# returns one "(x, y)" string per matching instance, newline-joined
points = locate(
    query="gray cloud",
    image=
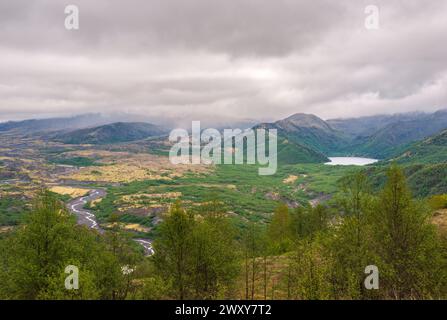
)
(212, 58)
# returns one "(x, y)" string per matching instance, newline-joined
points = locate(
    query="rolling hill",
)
(430, 150)
(423, 179)
(290, 152)
(111, 133)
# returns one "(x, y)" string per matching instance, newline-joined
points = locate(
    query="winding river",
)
(85, 217)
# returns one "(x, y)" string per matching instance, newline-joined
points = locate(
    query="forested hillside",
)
(311, 131)
(428, 151)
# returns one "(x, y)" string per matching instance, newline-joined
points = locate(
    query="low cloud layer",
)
(242, 59)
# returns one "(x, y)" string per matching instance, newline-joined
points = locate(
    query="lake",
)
(350, 161)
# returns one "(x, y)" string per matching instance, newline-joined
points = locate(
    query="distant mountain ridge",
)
(309, 130)
(97, 119)
(301, 136)
(389, 140)
(111, 133)
(368, 125)
(53, 124)
(380, 137)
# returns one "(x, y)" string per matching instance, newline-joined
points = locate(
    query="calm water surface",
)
(350, 161)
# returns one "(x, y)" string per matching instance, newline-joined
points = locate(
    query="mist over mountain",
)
(69, 123)
(96, 119)
(365, 126)
(305, 137)
(53, 124)
(400, 130)
(111, 133)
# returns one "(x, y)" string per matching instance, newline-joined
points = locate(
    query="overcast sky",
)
(255, 59)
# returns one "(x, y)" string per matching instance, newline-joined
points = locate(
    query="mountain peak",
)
(305, 120)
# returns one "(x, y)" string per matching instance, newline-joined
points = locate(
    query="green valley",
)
(260, 235)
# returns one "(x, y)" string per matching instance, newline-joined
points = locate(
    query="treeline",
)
(330, 247)
(313, 252)
(303, 253)
(196, 257)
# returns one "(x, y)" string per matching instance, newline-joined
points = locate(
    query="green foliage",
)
(254, 244)
(35, 257)
(349, 245)
(196, 254)
(423, 180)
(390, 230)
(306, 252)
(306, 222)
(239, 187)
(290, 152)
(11, 211)
(438, 201)
(75, 161)
(279, 229)
(353, 196)
(308, 272)
(406, 241)
(429, 180)
(432, 150)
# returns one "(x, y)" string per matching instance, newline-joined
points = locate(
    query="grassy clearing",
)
(440, 220)
(120, 167)
(127, 226)
(246, 195)
(75, 161)
(70, 191)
